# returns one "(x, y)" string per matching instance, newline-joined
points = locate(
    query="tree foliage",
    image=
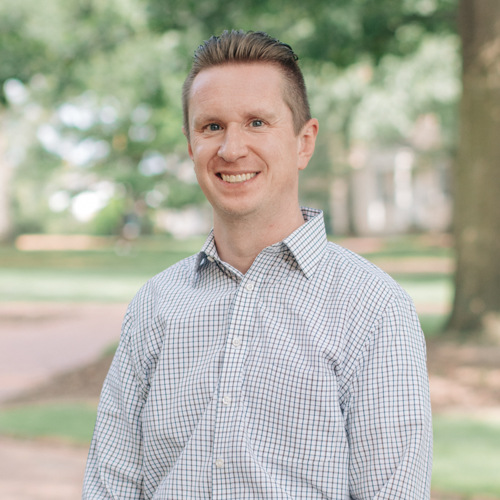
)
(120, 66)
(103, 91)
(339, 32)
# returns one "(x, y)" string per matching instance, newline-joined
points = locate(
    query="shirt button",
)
(237, 341)
(249, 286)
(219, 463)
(210, 258)
(226, 400)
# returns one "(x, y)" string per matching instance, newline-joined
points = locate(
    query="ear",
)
(307, 142)
(190, 150)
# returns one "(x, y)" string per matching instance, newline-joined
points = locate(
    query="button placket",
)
(226, 432)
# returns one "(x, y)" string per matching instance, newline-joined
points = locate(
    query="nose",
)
(233, 145)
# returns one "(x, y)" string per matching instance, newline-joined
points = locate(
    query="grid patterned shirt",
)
(304, 378)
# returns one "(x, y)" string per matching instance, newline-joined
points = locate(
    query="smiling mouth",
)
(233, 179)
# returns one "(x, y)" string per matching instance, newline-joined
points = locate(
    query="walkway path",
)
(40, 471)
(39, 340)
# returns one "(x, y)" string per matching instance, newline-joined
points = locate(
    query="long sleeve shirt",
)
(304, 378)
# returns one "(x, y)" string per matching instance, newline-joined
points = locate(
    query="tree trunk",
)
(6, 173)
(477, 197)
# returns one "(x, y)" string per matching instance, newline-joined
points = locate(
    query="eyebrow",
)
(262, 113)
(256, 113)
(204, 119)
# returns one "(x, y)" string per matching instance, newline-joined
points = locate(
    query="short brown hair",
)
(252, 46)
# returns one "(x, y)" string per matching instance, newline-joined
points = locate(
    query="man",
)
(273, 364)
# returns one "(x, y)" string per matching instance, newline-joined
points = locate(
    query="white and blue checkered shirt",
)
(304, 378)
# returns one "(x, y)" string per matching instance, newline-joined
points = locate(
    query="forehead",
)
(253, 80)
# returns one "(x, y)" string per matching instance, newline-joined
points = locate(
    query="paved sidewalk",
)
(40, 471)
(39, 340)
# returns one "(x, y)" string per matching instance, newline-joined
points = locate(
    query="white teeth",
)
(237, 178)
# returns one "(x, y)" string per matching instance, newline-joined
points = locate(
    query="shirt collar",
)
(209, 249)
(306, 244)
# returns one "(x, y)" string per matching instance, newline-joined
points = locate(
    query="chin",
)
(235, 212)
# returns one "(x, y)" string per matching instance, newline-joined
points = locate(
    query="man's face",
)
(242, 141)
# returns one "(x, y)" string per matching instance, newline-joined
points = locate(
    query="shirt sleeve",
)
(114, 465)
(388, 419)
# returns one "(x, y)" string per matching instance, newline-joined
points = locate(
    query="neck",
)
(239, 241)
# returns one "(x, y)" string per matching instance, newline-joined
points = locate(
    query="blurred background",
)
(97, 194)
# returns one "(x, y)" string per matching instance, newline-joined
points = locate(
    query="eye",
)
(213, 127)
(257, 123)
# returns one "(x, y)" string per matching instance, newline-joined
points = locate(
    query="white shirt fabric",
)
(304, 378)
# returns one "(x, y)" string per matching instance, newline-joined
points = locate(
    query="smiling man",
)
(273, 364)
(247, 156)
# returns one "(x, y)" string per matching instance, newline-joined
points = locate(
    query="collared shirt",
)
(304, 378)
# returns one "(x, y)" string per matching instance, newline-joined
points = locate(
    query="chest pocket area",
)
(291, 397)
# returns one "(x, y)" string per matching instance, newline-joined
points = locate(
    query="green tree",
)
(21, 57)
(340, 31)
(43, 47)
(106, 94)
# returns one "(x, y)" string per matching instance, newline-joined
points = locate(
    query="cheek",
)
(202, 153)
(202, 168)
(199, 172)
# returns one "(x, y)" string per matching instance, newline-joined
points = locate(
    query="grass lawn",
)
(67, 422)
(110, 276)
(432, 324)
(427, 289)
(86, 276)
(466, 456)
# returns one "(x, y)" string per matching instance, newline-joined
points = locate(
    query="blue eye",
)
(213, 127)
(257, 123)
